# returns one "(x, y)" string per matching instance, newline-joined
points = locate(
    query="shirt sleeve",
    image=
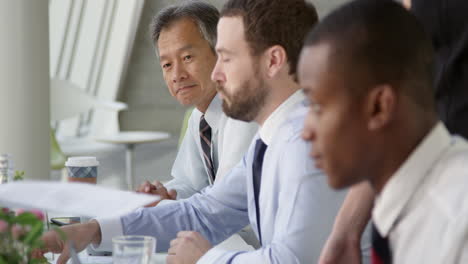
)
(217, 213)
(110, 227)
(188, 172)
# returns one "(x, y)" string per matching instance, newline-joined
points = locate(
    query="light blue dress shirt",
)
(297, 208)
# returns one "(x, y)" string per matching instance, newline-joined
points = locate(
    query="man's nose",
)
(217, 74)
(179, 73)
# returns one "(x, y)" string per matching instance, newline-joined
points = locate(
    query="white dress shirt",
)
(297, 208)
(230, 141)
(423, 208)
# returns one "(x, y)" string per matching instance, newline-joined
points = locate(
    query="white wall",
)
(24, 85)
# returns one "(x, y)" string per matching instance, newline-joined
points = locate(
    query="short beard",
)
(248, 102)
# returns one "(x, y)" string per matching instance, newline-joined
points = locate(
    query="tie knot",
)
(203, 124)
(260, 148)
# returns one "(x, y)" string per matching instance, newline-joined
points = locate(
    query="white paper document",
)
(73, 198)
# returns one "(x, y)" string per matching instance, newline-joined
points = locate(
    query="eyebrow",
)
(184, 48)
(224, 50)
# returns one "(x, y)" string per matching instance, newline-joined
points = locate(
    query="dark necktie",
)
(381, 253)
(205, 139)
(260, 148)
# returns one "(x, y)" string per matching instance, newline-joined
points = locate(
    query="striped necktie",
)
(381, 253)
(205, 140)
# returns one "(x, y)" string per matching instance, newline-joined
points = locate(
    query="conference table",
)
(234, 242)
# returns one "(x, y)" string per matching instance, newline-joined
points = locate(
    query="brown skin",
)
(349, 132)
(343, 244)
(372, 121)
(330, 114)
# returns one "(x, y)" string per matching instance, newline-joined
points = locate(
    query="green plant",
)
(19, 175)
(20, 234)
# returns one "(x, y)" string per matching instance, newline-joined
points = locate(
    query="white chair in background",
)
(69, 101)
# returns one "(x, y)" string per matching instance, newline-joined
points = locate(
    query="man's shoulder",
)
(450, 184)
(291, 129)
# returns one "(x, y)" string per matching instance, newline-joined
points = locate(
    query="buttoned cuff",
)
(110, 227)
(213, 255)
(166, 201)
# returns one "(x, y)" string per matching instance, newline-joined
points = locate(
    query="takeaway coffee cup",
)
(82, 169)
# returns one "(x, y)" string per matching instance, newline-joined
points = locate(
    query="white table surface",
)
(134, 137)
(158, 258)
(235, 242)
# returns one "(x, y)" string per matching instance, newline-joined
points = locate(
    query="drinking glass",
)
(133, 249)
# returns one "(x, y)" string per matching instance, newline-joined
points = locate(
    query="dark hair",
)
(203, 14)
(274, 22)
(447, 23)
(383, 40)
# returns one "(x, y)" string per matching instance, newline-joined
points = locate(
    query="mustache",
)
(219, 87)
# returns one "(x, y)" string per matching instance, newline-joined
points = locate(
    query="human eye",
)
(188, 58)
(166, 66)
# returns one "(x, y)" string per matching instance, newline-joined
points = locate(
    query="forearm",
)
(198, 213)
(93, 225)
(355, 211)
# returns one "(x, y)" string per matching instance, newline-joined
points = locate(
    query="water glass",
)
(133, 249)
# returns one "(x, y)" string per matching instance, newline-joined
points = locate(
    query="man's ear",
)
(380, 106)
(275, 60)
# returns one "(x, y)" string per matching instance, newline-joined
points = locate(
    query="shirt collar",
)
(399, 189)
(272, 123)
(214, 113)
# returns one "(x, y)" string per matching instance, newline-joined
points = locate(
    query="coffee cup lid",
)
(82, 162)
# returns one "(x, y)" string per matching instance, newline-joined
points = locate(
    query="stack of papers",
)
(72, 198)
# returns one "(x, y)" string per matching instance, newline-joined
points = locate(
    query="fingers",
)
(52, 242)
(172, 194)
(145, 187)
(173, 246)
(172, 251)
(158, 184)
(187, 234)
(173, 243)
(64, 257)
